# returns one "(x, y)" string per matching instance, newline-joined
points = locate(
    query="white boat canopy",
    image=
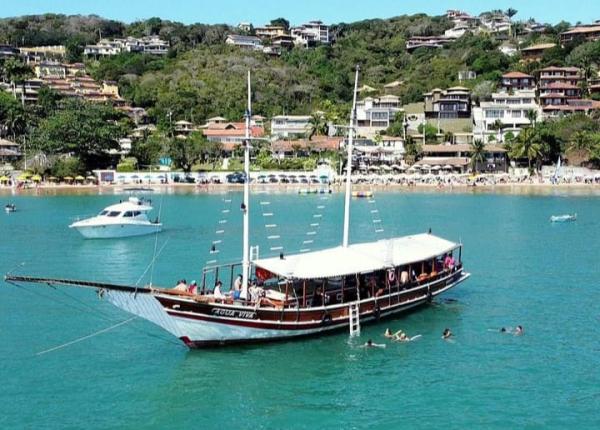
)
(358, 258)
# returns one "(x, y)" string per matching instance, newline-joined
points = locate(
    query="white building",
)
(510, 109)
(290, 125)
(310, 33)
(245, 42)
(376, 114)
(148, 44)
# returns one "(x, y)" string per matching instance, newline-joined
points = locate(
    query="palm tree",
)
(477, 154)
(527, 145)
(498, 126)
(582, 144)
(317, 126)
(16, 72)
(532, 116)
(510, 12)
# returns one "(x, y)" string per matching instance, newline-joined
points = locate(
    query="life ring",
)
(391, 276)
(326, 318)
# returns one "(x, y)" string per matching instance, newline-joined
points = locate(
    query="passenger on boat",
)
(447, 334)
(404, 277)
(519, 330)
(449, 262)
(181, 286)
(317, 298)
(217, 291)
(193, 288)
(237, 287)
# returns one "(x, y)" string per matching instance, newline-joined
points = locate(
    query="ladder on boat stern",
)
(354, 318)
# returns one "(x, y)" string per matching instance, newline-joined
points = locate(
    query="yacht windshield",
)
(103, 213)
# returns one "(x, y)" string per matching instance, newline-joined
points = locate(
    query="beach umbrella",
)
(79, 178)
(323, 177)
(36, 178)
(436, 167)
(4, 179)
(53, 178)
(135, 177)
(91, 177)
(121, 177)
(447, 167)
(425, 166)
(23, 177)
(68, 178)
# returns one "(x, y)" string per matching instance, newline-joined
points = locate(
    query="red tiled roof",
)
(559, 69)
(516, 75)
(254, 132)
(318, 144)
(560, 85)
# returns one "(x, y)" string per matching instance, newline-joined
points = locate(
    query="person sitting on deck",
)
(317, 298)
(217, 291)
(181, 286)
(449, 262)
(404, 277)
(193, 288)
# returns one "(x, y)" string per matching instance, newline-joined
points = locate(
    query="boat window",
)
(128, 214)
(103, 213)
(137, 213)
(114, 213)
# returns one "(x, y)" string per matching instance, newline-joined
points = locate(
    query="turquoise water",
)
(524, 271)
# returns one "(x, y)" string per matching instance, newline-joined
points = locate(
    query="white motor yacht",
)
(129, 218)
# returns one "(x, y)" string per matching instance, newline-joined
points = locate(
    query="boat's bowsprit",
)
(76, 283)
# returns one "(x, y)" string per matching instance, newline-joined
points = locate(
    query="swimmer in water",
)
(388, 333)
(447, 334)
(403, 338)
(519, 330)
(503, 330)
(370, 344)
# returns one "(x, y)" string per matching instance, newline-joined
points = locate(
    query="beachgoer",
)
(519, 330)
(447, 334)
(403, 338)
(193, 288)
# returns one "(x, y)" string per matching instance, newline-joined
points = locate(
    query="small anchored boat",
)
(10, 208)
(563, 218)
(362, 194)
(125, 219)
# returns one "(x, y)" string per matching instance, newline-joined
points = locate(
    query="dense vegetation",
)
(203, 77)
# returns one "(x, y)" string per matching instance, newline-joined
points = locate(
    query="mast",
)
(246, 204)
(349, 163)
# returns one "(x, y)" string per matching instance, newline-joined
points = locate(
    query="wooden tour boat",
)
(294, 295)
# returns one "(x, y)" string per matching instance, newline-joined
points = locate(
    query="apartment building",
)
(290, 125)
(310, 33)
(376, 114)
(452, 103)
(509, 109)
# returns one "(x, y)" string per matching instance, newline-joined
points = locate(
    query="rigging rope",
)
(220, 230)
(156, 255)
(156, 239)
(64, 345)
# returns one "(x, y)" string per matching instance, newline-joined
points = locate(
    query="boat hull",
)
(201, 325)
(113, 231)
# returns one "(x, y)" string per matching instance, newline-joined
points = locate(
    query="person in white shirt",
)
(217, 292)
